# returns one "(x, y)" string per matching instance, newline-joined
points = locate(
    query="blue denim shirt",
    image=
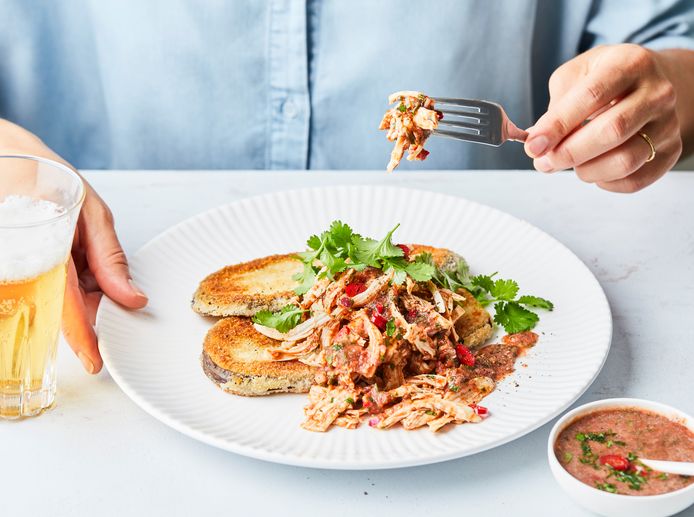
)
(290, 84)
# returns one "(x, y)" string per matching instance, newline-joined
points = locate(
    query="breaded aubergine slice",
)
(246, 288)
(235, 357)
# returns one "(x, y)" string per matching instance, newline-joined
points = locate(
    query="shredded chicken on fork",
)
(409, 123)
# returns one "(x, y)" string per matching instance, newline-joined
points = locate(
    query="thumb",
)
(77, 328)
(109, 264)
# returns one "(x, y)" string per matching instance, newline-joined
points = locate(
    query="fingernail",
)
(538, 145)
(88, 365)
(544, 164)
(137, 290)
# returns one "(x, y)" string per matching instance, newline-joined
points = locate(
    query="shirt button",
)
(289, 109)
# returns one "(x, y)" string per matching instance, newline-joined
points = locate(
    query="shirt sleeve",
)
(656, 24)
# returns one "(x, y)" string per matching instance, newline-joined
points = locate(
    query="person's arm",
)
(624, 90)
(98, 264)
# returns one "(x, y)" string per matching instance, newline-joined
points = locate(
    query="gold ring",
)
(650, 144)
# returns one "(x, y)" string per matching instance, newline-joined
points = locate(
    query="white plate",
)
(153, 354)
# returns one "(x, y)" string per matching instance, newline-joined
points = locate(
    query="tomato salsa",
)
(602, 449)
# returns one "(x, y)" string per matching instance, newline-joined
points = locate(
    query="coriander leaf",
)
(390, 327)
(332, 263)
(402, 108)
(365, 251)
(425, 258)
(483, 281)
(399, 276)
(536, 301)
(606, 487)
(307, 256)
(504, 290)
(314, 242)
(369, 251)
(340, 234)
(419, 271)
(462, 270)
(283, 320)
(514, 317)
(306, 279)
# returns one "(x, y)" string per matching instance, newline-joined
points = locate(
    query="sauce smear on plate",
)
(602, 449)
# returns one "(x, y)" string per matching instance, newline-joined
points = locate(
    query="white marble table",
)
(97, 453)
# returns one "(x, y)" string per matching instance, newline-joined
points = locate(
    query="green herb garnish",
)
(511, 311)
(633, 479)
(339, 248)
(283, 320)
(606, 487)
(595, 437)
(349, 400)
(588, 457)
(390, 327)
(568, 457)
(430, 412)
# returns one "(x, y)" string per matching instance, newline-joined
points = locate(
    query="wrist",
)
(15, 139)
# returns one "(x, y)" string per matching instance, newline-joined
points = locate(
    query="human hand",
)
(622, 90)
(97, 265)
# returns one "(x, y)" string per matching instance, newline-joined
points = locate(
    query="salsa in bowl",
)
(594, 454)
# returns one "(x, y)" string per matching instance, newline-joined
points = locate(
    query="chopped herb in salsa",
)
(633, 479)
(607, 487)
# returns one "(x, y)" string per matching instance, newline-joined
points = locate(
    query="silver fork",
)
(477, 121)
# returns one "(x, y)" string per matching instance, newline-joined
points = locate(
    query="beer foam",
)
(28, 251)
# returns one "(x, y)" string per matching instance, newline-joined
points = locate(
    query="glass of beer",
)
(40, 201)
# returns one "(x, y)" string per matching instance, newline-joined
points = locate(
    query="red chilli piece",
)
(379, 321)
(346, 302)
(615, 461)
(411, 315)
(464, 355)
(406, 249)
(480, 410)
(354, 289)
(439, 114)
(380, 308)
(423, 154)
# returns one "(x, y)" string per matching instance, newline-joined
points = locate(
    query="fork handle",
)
(513, 132)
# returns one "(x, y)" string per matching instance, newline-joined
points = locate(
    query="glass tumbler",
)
(40, 201)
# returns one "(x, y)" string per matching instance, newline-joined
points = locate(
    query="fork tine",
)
(479, 126)
(473, 113)
(467, 137)
(473, 104)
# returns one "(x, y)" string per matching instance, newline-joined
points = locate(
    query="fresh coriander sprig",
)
(283, 320)
(510, 311)
(339, 248)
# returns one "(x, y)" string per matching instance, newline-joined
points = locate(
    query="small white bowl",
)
(617, 505)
